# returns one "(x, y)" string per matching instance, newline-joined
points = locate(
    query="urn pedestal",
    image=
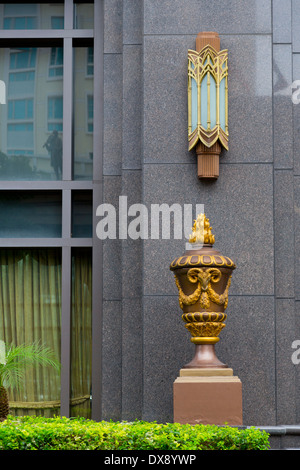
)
(208, 399)
(203, 277)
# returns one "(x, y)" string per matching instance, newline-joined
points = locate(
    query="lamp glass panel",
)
(194, 104)
(222, 104)
(203, 104)
(213, 102)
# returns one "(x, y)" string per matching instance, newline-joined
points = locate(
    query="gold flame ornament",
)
(202, 231)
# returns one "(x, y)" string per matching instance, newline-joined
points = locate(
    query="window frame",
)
(70, 38)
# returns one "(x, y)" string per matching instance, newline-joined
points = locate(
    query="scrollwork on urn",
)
(204, 292)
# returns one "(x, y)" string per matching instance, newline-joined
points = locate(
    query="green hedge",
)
(37, 433)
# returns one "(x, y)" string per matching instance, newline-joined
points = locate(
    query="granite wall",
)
(254, 206)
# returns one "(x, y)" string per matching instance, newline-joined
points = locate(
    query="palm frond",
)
(18, 358)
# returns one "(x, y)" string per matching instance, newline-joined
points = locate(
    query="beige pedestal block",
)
(208, 396)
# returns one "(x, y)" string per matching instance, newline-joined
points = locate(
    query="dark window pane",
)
(30, 214)
(82, 214)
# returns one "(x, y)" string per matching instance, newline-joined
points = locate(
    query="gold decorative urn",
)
(203, 277)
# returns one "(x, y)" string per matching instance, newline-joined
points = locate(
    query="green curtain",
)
(30, 303)
(81, 337)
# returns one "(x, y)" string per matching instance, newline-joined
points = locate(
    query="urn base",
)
(205, 356)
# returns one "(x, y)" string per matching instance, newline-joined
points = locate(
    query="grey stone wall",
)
(254, 206)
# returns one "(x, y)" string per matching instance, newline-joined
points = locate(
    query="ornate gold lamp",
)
(203, 277)
(208, 102)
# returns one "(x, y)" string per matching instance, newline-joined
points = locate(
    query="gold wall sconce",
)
(208, 102)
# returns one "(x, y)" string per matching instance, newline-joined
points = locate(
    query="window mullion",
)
(67, 109)
(98, 90)
(97, 315)
(66, 213)
(69, 14)
(65, 331)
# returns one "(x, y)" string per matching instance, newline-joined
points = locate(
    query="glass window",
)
(90, 61)
(22, 58)
(55, 114)
(26, 22)
(56, 62)
(90, 113)
(84, 16)
(32, 16)
(31, 121)
(18, 135)
(83, 113)
(81, 332)
(20, 109)
(82, 214)
(30, 311)
(20, 16)
(42, 131)
(57, 22)
(30, 214)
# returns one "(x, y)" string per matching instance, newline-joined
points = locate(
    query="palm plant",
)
(13, 362)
